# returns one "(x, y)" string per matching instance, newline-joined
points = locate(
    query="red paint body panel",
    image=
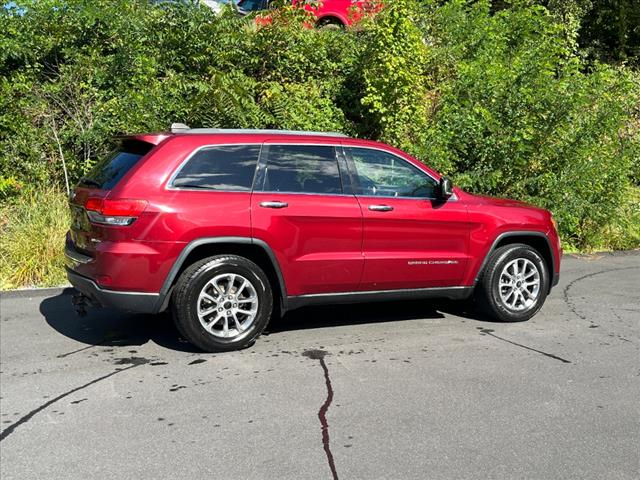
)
(322, 243)
(418, 244)
(317, 240)
(339, 12)
(347, 12)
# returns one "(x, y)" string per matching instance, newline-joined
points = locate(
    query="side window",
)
(382, 174)
(226, 168)
(252, 5)
(301, 169)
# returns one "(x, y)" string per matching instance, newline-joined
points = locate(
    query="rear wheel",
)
(330, 24)
(222, 303)
(514, 283)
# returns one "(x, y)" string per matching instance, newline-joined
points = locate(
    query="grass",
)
(32, 233)
(624, 234)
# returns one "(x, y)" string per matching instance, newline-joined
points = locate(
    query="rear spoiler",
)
(152, 138)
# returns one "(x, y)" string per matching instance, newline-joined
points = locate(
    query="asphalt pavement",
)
(403, 390)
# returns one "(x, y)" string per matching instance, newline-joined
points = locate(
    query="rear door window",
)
(107, 173)
(301, 169)
(225, 168)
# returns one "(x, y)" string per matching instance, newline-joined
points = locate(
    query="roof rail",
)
(182, 128)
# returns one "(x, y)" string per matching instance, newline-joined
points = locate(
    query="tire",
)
(513, 300)
(217, 291)
(330, 24)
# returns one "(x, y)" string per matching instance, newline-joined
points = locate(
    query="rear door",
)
(410, 240)
(301, 210)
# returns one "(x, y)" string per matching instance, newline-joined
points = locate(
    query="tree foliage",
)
(502, 99)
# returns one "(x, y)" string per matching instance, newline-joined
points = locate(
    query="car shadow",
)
(109, 327)
(375, 312)
(113, 328)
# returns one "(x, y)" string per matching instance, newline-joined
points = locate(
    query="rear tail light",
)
(114, 212)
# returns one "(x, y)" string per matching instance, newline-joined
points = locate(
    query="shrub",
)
(519, 116)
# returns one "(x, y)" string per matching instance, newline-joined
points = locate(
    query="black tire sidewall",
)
(186, 304)
(492, 282)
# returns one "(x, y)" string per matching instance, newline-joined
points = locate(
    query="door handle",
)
(274, 204)
(381, 208)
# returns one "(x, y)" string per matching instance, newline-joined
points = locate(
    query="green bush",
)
(518, 116)
(499, 98)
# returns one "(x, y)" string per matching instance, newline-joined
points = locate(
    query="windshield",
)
(252, 5)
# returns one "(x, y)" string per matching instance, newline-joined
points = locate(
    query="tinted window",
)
(220, 168)
(301, 168)
(252, 5)
(108, 172)
(385, 175)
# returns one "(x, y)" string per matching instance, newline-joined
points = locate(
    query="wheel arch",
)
(255, 250)
(330, 19)
(536, 240)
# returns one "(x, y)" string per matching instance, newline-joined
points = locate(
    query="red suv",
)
(327, 13)
(227, 226)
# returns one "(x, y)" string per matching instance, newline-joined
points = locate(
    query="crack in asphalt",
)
(488, 331)
(322, 413)
(565, 292)
(24, 419)
(63, 355)
(111, 336)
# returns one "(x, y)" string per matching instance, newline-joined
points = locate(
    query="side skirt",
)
(454, 293)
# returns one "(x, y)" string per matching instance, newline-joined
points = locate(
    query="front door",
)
(411, 240)
(314, 227)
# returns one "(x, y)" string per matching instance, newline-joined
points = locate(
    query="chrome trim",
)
(182, 129)
(76, 256)
(304, 193)
(453, 198)
(119, 292)
(457, 292)
(380, 208)
(379, 292)
(274, 204)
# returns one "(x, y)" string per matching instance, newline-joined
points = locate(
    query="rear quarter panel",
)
(175, 217)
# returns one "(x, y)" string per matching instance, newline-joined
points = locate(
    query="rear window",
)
(108, 172)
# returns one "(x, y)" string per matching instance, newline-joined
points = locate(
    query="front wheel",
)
(222, 303)
(514, 283)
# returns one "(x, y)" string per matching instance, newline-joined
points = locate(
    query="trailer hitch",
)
(80, 303)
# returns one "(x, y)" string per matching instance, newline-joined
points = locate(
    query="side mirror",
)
(445, 188)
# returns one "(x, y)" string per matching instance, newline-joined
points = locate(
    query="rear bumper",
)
(139, 302)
